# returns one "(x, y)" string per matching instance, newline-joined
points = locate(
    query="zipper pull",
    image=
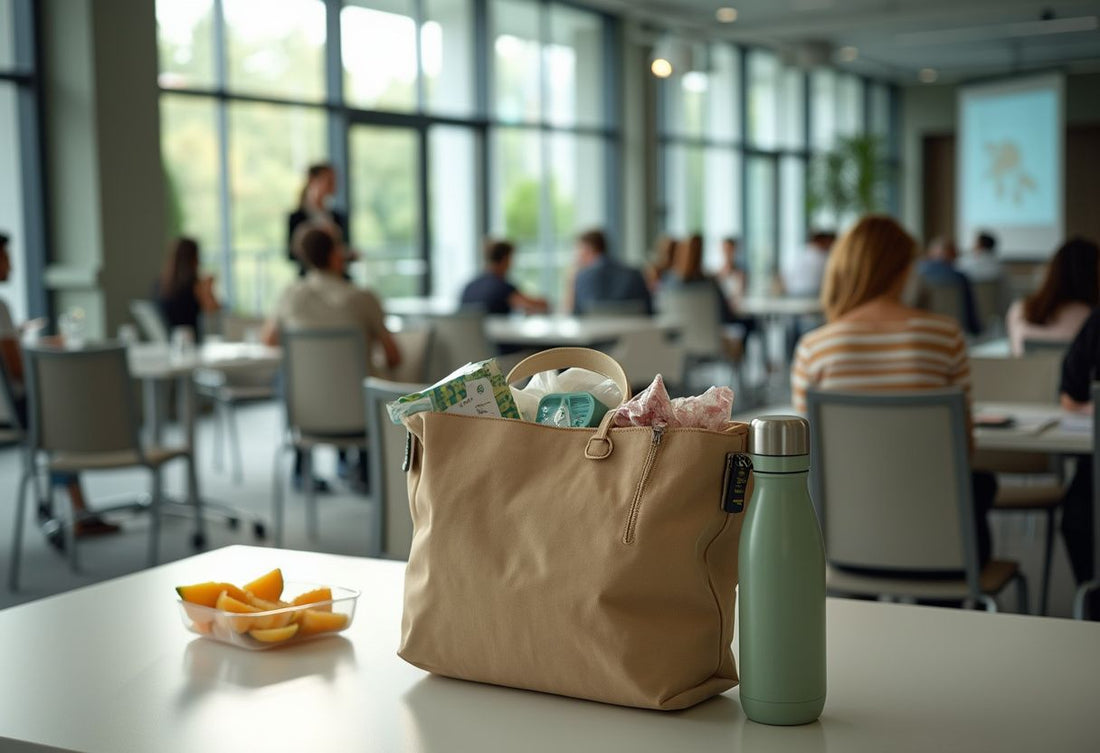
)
(658, 433)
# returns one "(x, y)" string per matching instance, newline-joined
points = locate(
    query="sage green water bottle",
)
(781, 583)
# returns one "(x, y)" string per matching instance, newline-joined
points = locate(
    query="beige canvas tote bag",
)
(594, 563)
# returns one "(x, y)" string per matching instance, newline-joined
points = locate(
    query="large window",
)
(436, 141)
(549, 177)
(21, 198)
(789, 116)
(700, 164)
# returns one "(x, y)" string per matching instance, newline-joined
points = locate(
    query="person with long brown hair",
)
(873, 342)
(1068, 294)
(663, 256)
(183, 293)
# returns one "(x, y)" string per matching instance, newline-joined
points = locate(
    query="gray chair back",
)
(989, 300)
(633, 307)
(695, 309)
(415, 346)
(81, 401)
(457, 339)
(1056, 348)
(1028, 379)
(891, 480)
(645, 352)
(323, 373)
(388, 486)
(945, 299)
(149, 321)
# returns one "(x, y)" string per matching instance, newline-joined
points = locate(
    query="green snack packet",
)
(476, 389)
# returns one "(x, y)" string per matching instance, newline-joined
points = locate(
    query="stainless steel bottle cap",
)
(779, 435)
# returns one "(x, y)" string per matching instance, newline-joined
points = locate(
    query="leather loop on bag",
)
(565, 358)
(600, 446)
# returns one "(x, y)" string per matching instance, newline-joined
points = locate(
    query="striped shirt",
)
(925, 351)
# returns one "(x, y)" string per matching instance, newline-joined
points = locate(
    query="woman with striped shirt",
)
(875, 343)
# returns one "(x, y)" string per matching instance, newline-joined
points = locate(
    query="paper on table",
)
(1078, 423)
(1021, 424)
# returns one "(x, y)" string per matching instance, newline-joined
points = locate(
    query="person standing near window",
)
(313, 209)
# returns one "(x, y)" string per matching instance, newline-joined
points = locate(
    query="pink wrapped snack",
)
(653, 407)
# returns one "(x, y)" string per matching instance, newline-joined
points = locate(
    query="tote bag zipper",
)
(639, 492)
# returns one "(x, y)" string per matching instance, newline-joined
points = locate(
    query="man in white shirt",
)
(981, 264)
(803, 276)
(324, 298)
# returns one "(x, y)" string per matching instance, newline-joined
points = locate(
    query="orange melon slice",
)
(227, 603)
(315, 596)
(312, 622)
(274, 635)
(206, 594)
(202, 626)
(268, 587)
(271, 621)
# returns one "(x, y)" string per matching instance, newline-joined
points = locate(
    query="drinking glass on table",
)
(183, 343)
(73, 328)
(127, 334)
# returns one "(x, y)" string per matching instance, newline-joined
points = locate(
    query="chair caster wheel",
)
(198, 541)
(259, 530)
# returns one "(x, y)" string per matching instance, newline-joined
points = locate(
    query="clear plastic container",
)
(258, 631)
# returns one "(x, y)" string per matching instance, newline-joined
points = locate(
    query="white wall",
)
(929, 110)
(103, 156)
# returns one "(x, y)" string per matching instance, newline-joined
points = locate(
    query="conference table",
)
(156, 365)
(551, 331)
(110, 669)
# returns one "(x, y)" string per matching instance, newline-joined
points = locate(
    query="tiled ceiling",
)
(896, 38)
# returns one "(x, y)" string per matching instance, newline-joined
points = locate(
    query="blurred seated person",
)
(602, 279)
(731, 276)
(1068, 294)
(803, 275)
(656, 272)
(687, 272)
(492, 291)
(1079, 371)
(184, 295)
(938, 270)
(324, 298)
(872, 342)
(981, 264)
(12, 355)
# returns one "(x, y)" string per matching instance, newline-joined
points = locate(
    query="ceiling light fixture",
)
(928, 75)
(661, 68)
(848, 54)
(726, 15)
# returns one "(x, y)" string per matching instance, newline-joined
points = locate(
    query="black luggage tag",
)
(735, 482)
(406, 464)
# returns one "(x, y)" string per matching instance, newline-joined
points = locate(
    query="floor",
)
(345, 518)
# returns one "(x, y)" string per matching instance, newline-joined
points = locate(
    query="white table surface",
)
(110, 669)
(155, 360)
(762, 305)
(550, 330)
